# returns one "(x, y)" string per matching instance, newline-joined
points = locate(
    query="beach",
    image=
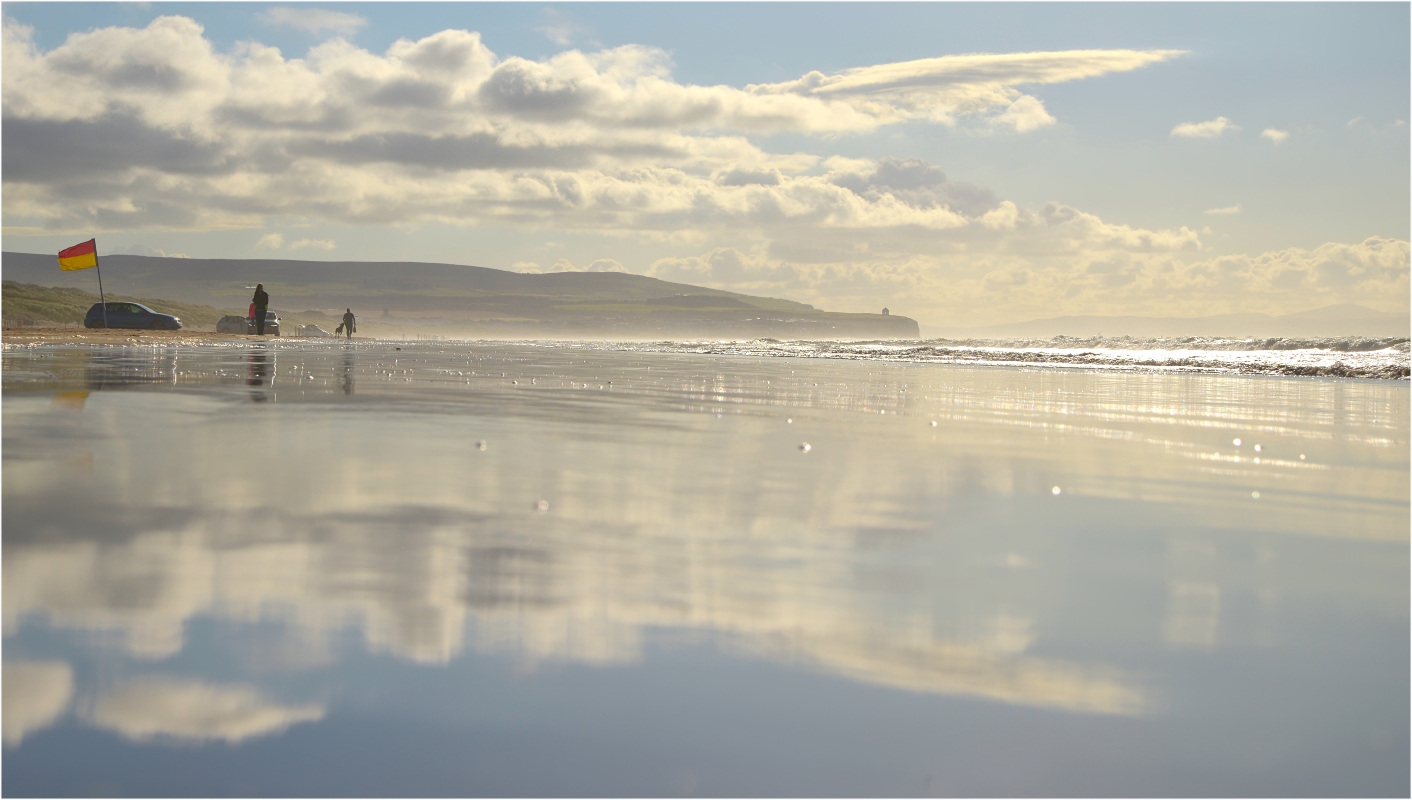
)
(514, 568)
(119, 336)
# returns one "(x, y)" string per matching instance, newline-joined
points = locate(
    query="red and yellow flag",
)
(80, 256)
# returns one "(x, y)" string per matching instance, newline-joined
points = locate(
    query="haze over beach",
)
(801, 399)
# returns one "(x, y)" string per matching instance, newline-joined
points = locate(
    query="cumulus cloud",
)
(1025, 114)
(144, 250)
(1211, 129)
(1066, 263)
(1275, 135)
(171, 708)
(1235, 209)
(315, 20)
(913, 181)
(313, 244)
(723, 266)
(153, 128)
(35, 694)
(565, 265)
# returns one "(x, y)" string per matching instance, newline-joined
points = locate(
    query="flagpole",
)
(101, 297)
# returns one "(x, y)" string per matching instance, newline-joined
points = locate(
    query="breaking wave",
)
(1343, 357)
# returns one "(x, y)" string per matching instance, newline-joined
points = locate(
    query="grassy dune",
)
(28, 304)
(48, 304)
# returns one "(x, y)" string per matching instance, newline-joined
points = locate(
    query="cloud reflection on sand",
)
(449, 590)
(885, 555)
(36, 694)
(159, 707)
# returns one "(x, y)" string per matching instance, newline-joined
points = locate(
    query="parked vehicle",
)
(234, 323)
(231, 323)
(315, 331)
(130, 315)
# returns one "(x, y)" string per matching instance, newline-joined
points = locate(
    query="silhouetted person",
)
(349, 322)
(262, 302)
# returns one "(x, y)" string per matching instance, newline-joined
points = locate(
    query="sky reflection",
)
(896, 554)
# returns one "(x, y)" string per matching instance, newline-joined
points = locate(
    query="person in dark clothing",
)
(262, 302)
(349, 322)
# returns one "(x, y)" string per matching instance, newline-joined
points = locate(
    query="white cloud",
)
(1210, 129)
(1025, 114)
(1087, 267)
(1353, 122)
(35, 694)
(144, 250)
(315, 20)
(315, 244)
(984, 69)
(558, 28)
(1275, 135)
(565, 265)
(1235, 209)
(614, 102)
(159, 707)
(154, 129)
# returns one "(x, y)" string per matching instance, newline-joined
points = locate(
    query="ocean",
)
(1342, 357)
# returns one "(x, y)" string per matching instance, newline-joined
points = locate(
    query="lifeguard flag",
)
(80, 256)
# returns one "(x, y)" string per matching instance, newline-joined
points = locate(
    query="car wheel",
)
(97, 323)
(158, 325)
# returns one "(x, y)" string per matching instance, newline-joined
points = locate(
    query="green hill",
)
(38, 304)
(28, 304)
(402, 298)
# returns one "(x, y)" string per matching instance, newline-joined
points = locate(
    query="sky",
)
(962, 164)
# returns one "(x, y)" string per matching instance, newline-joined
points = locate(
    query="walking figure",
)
(349, 322)
(261, 301)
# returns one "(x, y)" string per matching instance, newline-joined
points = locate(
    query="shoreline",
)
(27, 336)
(1354, 365)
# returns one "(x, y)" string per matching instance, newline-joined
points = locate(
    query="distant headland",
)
(403, 298)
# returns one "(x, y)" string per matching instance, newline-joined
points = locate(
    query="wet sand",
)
(497, 569)
(91, 336)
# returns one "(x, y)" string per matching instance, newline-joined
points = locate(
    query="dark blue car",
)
(130, 315)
